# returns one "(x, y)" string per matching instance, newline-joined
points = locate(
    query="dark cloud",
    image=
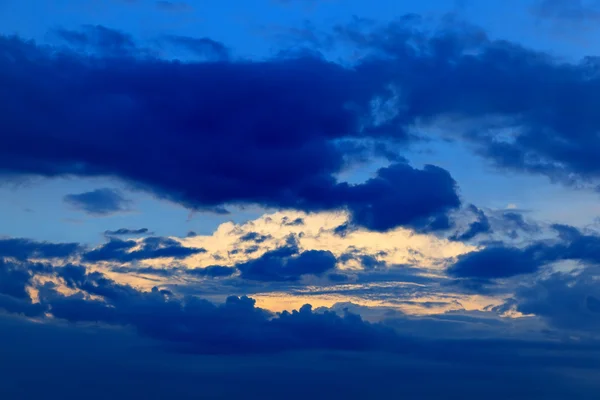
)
(150, 248)
(214, 271)
(23, 249)
(205, 48)
(367, 261)
(158, 271)
(251, 249)
(453, 71)
(567, 300)
(457, 76)
(127, 232)
(99, 202)
(513, 222)
(211, 271)
(200, 111)
(343, 230)
(236, 326)
(99, 39)
(400, 195)
(497, 262)
(462, 369)
(478, 227)
(338, 278)
(254, 237)
(500, 261)
(296, 222)
(15, 278)
(287, 263)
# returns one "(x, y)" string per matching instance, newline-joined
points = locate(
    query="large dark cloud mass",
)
(207, 134)
(299, 120)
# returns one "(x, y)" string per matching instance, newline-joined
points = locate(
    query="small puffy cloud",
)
(99, 202)
(127, 232)
(254, 237)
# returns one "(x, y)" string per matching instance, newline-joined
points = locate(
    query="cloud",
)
(500, 261)
(149, 248)
(15, 278)
(158, 271)
(201, 110)
(206, 48)
(287, 264)
(366, 261)
(127, 232)
(480, 226)
(99, 202)
(400, 195)
(236, 326)
(99, 39)
(479, 82)
(213, 271)
(432, 370)
(254, 237)
(567, 300)
(23, 249)
(495, 262)
(296, 222)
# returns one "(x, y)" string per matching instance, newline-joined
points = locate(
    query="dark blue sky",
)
(319, 198)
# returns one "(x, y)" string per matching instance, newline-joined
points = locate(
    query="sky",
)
(309, 198)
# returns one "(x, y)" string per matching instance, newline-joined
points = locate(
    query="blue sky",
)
(301, 182)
